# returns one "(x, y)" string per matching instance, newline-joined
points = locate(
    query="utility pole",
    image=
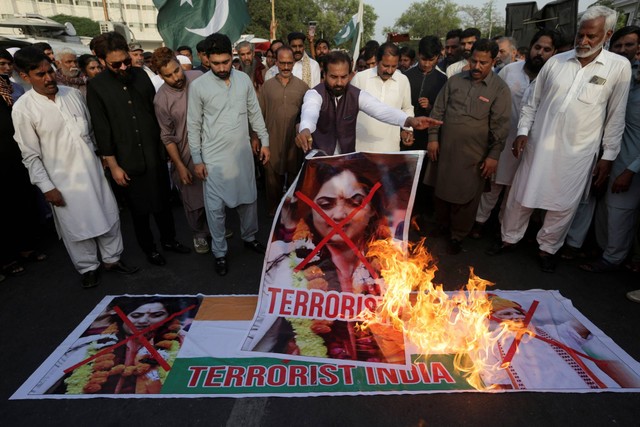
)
(105, 9)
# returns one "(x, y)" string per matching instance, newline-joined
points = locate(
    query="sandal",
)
(13, 269)
(600, 266)
(33, 256)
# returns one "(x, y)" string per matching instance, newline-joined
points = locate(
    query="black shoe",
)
(155, 258)
(455, 247)
(90, 279)
(176, 247)
(121, 267)
(500, 248)
(221, 266)
(255, 246)
(547, 263)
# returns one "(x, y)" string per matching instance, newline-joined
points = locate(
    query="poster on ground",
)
(199, 339)
(303, 336)
(317, 277)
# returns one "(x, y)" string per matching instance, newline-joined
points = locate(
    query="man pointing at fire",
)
(330, 110)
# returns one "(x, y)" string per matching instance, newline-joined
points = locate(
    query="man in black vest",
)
(330, 110)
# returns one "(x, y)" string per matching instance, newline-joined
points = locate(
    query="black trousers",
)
(142, 228)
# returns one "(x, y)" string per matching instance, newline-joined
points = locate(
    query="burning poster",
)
(317, 278)
(541, 343)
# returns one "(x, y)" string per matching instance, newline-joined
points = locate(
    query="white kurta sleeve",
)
(530, 107)
(615, 119)
(29, 143)
(194, 124)
(315, 74)
(310, 110)
(405, 92)
(381, 111)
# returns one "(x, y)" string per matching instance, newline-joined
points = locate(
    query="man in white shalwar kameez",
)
(221, 105)
(519, 76)
(53, 130)
(387, 84)
(577, 106)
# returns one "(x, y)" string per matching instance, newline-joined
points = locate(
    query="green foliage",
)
(622, 18)
(294, 15)
(431, 17)
(485, 18)
(336, 13)
(85, 27)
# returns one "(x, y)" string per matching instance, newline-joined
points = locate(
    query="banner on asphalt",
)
(190, 346)
(304, 335)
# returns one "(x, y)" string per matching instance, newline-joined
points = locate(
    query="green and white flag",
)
(186, 22)
(348, 32)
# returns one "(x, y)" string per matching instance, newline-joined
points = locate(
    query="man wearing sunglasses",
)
(120, 101)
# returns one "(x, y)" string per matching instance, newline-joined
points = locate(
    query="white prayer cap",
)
(183, 60)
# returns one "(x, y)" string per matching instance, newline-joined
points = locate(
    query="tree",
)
(432, 17)
(294, 15)
(85, 27)
(622, 18)
(485, 18)
(336, 14)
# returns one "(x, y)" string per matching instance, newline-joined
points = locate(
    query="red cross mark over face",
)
(138, 335)
(577, 356)
(337, 228)
(523, 330)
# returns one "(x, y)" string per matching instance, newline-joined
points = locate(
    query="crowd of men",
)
(544, 127)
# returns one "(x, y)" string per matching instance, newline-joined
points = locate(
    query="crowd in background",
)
(543, 131)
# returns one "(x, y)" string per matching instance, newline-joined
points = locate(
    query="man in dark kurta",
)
(20, 213)
(171, 110)
(426, 81)
(475, 108)
(280, 101)
(120, 101)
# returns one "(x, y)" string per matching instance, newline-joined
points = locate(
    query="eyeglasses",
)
(118, 64)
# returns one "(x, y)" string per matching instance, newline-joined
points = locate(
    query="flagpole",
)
(356, 45)
(272, 29)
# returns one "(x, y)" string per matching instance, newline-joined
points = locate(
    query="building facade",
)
(139, 16)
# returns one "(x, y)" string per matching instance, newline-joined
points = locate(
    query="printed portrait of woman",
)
(338, 206)
(127, 354)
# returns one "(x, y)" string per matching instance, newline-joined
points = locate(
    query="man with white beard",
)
(68, 72)
(578, 106)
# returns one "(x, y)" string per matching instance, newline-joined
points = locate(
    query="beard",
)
(248, 69)
(591, 51)
(222, 75)
(123, 76)
(71, 72)
(337, 91)
(534, 64)
(179, 84)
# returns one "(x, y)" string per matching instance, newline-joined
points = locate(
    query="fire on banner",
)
(346, 306)
(317, 278)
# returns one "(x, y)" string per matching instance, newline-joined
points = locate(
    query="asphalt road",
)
(40, 308)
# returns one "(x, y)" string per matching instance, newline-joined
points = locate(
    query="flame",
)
(434, 321)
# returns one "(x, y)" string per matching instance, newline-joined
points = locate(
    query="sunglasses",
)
(117, 64)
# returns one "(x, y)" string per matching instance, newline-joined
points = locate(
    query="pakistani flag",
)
(348, 32)
(186, 22)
